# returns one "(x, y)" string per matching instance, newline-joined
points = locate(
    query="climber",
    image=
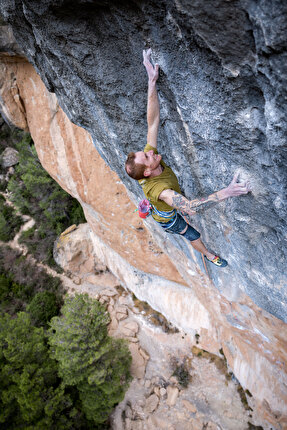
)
(170, 209)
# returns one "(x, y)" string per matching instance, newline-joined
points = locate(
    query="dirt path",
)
(14, 244)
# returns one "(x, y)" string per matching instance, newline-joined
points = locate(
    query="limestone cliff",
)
(223, 107)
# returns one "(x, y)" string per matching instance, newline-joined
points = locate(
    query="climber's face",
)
(149, 159)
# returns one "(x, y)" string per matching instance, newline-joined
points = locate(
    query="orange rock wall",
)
(66, 151)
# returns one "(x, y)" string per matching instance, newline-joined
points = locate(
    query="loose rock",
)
(121, 316)
(110, 309)
(156, 391)
(109, 293)
(147, 383)
(114, 324)
(138, 362)
(173, 380)
(189, 406)
(172, 394)
(212, 426)
(128, 412)
(132, 339)
(9, 157)
(132, 326)
(128, 424)
(144, 354)
(77, 280)
(151, 403)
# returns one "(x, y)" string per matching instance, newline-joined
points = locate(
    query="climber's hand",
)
(151, 71)
(237, 188)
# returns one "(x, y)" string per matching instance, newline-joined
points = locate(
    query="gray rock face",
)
(223, 98)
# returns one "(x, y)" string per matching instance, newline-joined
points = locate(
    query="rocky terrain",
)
(223, 107)
(176, 385)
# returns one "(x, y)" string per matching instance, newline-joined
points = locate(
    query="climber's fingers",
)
(146, 54)
(151, 71)
(235, 178)
(246, 186)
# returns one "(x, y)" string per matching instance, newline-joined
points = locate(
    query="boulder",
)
(109, 292)
(138, 363)
(132, 327)
(151, 404)
(73, 251)
(9, 157)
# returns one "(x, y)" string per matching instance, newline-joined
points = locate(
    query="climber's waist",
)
(165, 218)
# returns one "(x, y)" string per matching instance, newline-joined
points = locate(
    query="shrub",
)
(10, 223)
(20, 281)
(88, 358)
(42, 308)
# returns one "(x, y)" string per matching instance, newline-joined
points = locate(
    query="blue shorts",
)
(178, 226)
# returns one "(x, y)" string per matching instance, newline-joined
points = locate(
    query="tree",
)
(32, 396)
(42, 308)
(28, 375)
(88, 358)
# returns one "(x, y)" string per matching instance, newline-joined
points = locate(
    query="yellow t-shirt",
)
(152, 187)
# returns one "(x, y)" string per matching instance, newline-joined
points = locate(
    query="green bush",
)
(4, 288)
(42, 308)
(88, 358)
(10, 223)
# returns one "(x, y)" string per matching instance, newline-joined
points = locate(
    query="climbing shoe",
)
(220, 262)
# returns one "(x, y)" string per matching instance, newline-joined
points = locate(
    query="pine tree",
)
(88, 358)
(32, 396)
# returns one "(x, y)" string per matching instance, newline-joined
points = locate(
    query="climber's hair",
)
(133, 169)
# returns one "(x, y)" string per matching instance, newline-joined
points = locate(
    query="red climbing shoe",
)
(220, 262)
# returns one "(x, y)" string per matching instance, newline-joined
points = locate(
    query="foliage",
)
(36, 194)
(43, 307)
(88, 358)
(182, 375)
(9, 135)
(32, 396)
(20, 281)
(10, 223)
(28, 375)
(181, 370)
(91, 370)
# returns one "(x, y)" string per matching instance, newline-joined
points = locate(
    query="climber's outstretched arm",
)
(192, 207)
(152, 100)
